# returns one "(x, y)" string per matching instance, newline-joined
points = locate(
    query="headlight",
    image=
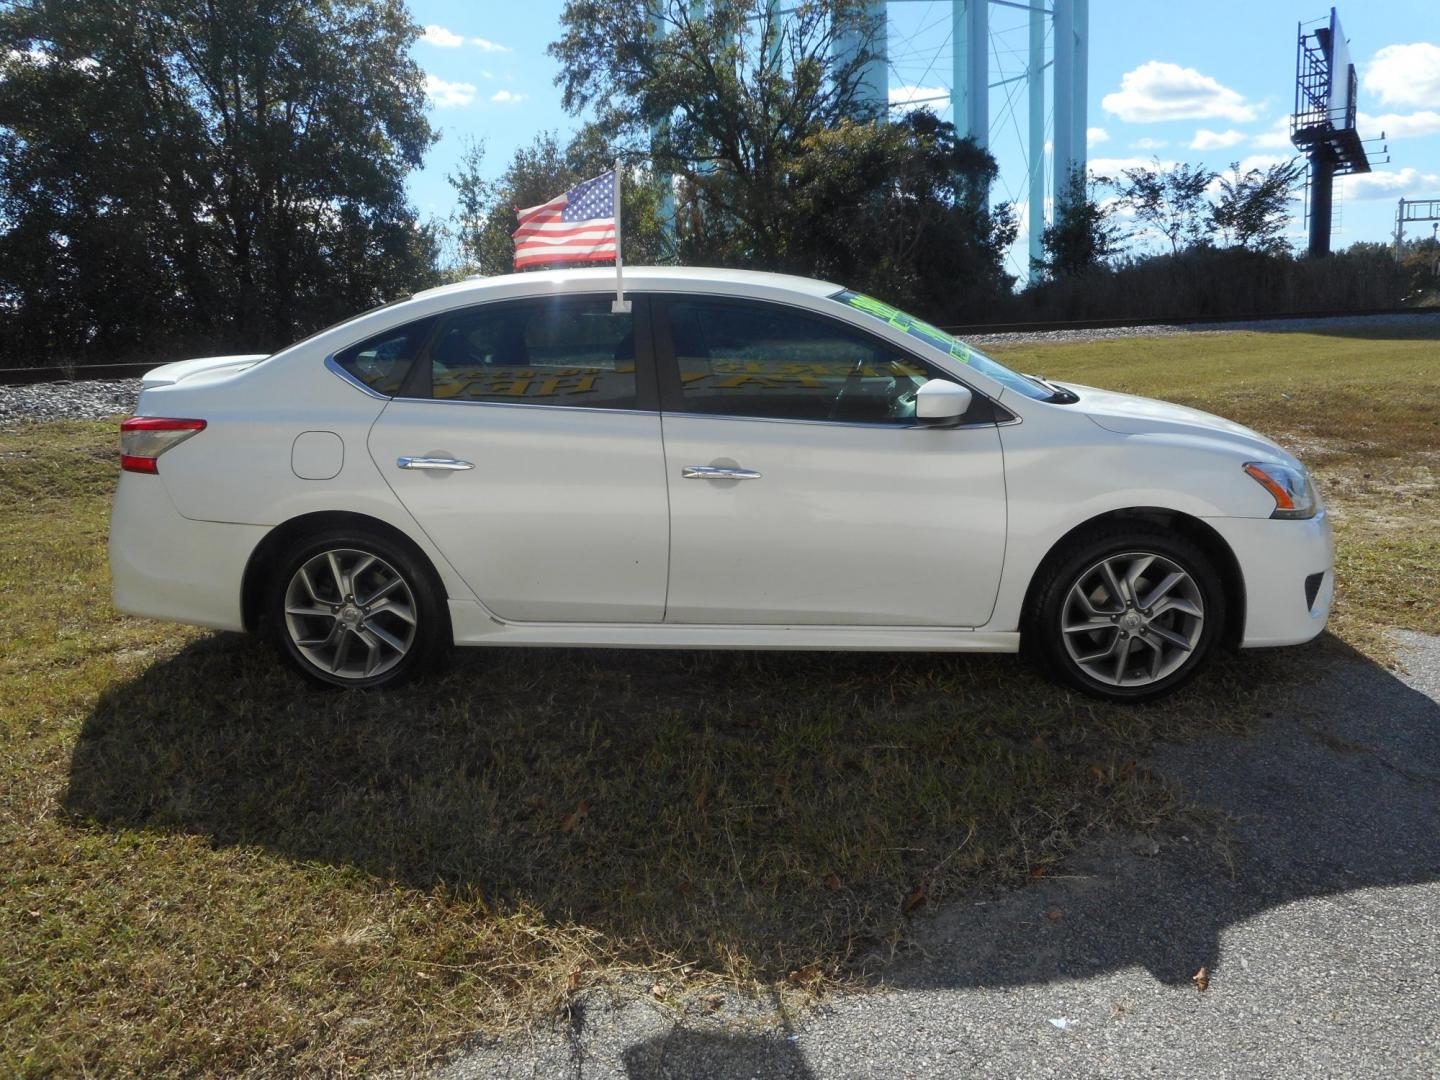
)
(1291, 488)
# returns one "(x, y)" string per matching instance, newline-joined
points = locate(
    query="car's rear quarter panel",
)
(238, 470)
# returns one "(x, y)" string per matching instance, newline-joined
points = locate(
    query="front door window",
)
(765, 360)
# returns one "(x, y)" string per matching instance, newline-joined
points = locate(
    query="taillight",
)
(144, 438)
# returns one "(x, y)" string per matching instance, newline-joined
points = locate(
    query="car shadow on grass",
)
(764, 812)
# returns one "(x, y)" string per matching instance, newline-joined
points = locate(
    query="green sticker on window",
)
(908, 324)
(951, 346)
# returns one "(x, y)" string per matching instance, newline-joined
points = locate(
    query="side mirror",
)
(941, 399)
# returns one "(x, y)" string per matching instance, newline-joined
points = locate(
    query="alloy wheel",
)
(1132, 619)
(350, 613)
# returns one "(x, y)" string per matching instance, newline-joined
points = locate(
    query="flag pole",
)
(620, 306)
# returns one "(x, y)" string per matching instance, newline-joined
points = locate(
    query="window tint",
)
(383, 361)
(740, 359)
(561, 352)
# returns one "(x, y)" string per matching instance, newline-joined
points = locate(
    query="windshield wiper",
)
(1059, 395)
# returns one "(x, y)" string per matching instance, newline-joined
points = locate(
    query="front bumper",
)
(165, 566)
(1275, 558)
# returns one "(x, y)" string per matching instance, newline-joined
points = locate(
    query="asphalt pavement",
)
(1314, 910)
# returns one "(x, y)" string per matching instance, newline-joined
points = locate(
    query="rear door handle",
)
(442, 464)
(717, 472)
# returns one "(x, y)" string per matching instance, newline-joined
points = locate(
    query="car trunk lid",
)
(169, 374)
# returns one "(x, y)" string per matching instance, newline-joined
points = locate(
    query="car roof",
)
(646, 278)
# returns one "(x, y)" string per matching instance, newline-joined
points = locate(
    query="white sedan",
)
(738, 461)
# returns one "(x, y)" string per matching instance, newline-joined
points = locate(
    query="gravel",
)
(1316, 921)
(1284, 326)
(97, 399)
(88, 400)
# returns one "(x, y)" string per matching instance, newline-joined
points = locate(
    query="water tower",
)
(1017, 75)
(995, 50)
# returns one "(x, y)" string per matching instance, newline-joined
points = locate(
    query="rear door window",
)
(569, 351)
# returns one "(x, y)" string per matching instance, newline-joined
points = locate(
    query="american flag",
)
(578, 226)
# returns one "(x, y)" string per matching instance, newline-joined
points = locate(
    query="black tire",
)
(293, 624)
(1056, 602)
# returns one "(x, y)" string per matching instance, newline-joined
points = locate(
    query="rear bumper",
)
(1275, 559)
(165, 566)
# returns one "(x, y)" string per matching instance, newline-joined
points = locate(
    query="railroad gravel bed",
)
(97, 399)
(1430, 322)
(89, 399)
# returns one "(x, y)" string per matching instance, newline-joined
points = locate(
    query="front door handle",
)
(718, 472)
(442, 464)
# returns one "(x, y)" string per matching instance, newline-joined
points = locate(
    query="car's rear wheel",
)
(1129, 613)
(356, 610)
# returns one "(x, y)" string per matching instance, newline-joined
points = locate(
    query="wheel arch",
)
(272, 548)
(1192, 528)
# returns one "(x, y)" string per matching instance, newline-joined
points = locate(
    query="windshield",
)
(939, 339)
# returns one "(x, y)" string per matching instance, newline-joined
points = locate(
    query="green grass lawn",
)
(207, 867)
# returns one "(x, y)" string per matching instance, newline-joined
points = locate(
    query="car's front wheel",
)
(1129, 613)
(356, 610)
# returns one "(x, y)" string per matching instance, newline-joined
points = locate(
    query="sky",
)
(1208, 84)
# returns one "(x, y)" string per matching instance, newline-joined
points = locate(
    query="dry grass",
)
(207, 868)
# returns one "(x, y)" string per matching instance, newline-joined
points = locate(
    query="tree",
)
(776, 159)
(537, 173)
(1252, 209)
(899, 209)
(209, 175)
(472, 206)
(1083, 235)
(721, 97)
(1173, 202)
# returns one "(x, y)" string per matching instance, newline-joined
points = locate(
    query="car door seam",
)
(400, 503)
(669, 517)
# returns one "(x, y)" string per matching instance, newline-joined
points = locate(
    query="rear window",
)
(383, 361)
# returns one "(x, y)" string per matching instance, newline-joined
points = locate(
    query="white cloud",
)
(33, 55)
(41, 57)
(1148, 143)
(1205, 139)
(1261, 162)
(1157, 90)
(1095, 136)
(448, 39)
(448, 95)
(1405, 74)
(1383, 184)
(1399, 125)
(505, 97)
(438, 35)
(1117, 206)
(905, 98)
(1115, 166)
(1277, 138)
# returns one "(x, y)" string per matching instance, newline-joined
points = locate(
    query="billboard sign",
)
(1340, 100)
